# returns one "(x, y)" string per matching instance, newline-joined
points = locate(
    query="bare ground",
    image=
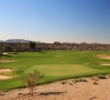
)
(67, 91)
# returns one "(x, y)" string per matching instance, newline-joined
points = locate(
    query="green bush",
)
(7, 48)
(1, 53)
(32, 45)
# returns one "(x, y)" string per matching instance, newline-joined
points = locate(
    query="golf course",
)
(54, 65)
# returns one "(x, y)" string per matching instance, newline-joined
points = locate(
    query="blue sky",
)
(55, 20)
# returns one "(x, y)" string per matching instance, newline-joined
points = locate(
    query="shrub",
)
(63, 82)
(101, 76)
(32, 45)
(82, 80)
(95, 83)
(7, 48)
(95, 78)
(79, 80)
(1, 53)
(31, 79)
(76, 80)
(70, 84)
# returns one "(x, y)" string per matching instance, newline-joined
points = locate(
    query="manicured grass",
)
(62, 69)
(56, 65)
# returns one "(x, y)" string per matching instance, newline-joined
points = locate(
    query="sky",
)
(55, 20)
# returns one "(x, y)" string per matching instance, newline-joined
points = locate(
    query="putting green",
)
(62, 69)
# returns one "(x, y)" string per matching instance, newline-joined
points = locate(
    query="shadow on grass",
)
(13, 53)
(7, 55)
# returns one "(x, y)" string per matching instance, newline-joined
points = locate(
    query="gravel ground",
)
(67, 91)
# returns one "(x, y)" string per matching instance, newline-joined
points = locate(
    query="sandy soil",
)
(3, 77)
(67, 91)
(104, 56)
(106, 64)
(1, 60)
(5, 70)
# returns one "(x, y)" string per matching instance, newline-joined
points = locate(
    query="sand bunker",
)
(105, 64)
(5, 70)
(5, 53)
(1, 60)
(3, 77)
(104, 56)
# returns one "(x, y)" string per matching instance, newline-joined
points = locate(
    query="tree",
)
(56, 42)
(7, 48)
(32, 45)
(31, 79)
(39, 49)
(1, 53)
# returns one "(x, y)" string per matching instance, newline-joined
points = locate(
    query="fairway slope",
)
(55, 65)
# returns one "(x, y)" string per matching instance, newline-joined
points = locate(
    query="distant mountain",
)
(15, 41)
(1, 41)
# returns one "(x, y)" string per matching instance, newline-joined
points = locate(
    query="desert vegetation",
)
(32, 45)
(7, 48)
(21, 47)
(1, 53)
(77, 88)
(31, 79)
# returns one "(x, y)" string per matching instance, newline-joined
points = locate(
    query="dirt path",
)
(67, 91)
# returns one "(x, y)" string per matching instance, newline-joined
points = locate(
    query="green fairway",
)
(55, 65)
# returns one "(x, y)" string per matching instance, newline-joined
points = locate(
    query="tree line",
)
(8, 48)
